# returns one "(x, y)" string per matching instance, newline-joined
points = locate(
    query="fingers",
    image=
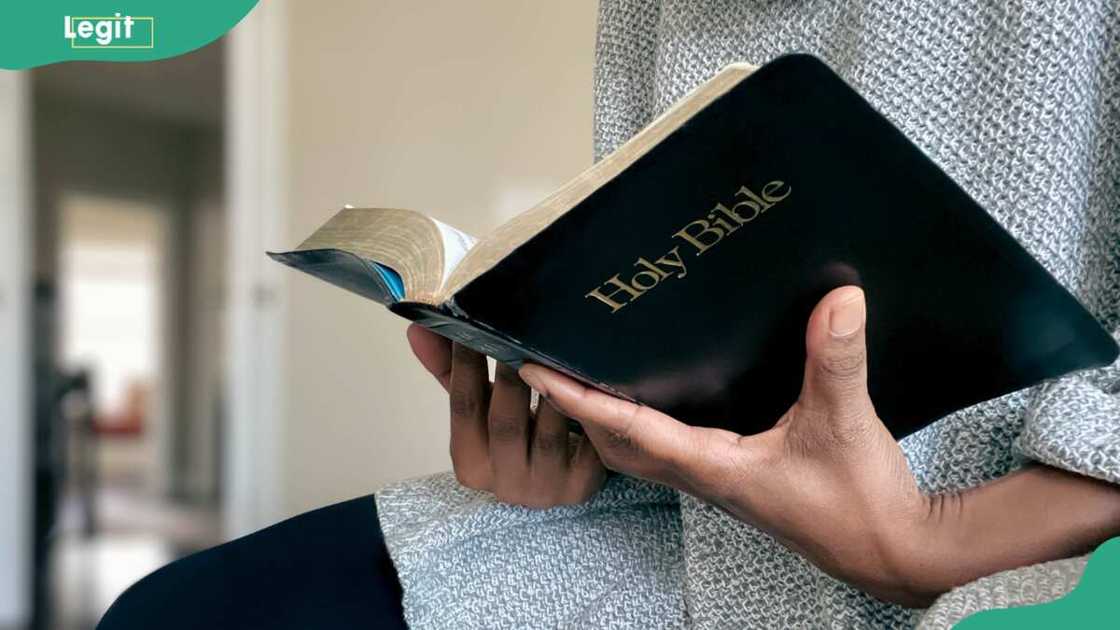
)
(638, 440)
(531, 459)
(549, 452)
(469, 394)
(585, 473)
(496, 445)
(433, 352)
(835, 383)
(564, 468)
(509, 429)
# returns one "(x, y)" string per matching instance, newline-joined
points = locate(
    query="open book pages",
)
(514, 233)
(423, 260)
(413, 254)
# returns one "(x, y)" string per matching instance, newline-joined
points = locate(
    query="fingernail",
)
(847, 316)
(529, 376)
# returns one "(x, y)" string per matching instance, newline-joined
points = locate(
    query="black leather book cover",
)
(686, 282)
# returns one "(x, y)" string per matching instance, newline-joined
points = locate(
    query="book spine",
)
(461, 329)
(453, 323)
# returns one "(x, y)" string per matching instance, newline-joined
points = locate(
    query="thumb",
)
(835, 383)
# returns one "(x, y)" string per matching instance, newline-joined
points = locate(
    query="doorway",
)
(130, 288)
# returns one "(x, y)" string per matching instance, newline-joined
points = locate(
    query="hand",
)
(828, 480)
(497, 443)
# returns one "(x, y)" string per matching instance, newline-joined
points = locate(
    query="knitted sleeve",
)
(1074, 424)
(1026, 586)
(626, 54)
(466, 561)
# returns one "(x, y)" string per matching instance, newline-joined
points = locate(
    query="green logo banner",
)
(49, 31)
(1093, 604)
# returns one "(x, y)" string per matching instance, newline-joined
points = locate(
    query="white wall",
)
(470, 111)
(15, 411)
(256, 198)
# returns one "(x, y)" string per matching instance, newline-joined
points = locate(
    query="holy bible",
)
(680, 270)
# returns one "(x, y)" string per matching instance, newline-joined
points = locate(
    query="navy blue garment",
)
(325, 569)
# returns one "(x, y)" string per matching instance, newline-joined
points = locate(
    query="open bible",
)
(679, 271)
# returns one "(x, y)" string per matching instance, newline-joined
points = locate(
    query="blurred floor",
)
(138, 532)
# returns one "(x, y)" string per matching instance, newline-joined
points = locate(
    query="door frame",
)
(15, 349)
(256, 202)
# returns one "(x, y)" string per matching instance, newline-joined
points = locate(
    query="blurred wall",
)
(470, 111)
(174, 165)
(15, 391)
(202, 242)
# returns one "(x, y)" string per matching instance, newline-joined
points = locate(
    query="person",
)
(823, 520)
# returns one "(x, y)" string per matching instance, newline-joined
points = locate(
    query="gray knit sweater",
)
(1019, 101)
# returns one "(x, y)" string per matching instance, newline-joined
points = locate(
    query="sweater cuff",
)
(1074, 424)
(1026, 586)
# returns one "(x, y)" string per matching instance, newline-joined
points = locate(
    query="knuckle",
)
(506, 427)
(621, 446)
(513, 495)
(850, 428)
(472, 477)
(465, 403)
(550, 443)
(846, 365)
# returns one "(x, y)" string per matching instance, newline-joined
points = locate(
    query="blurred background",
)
(165, 387)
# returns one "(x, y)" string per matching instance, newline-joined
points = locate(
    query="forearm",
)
(1032, 515)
